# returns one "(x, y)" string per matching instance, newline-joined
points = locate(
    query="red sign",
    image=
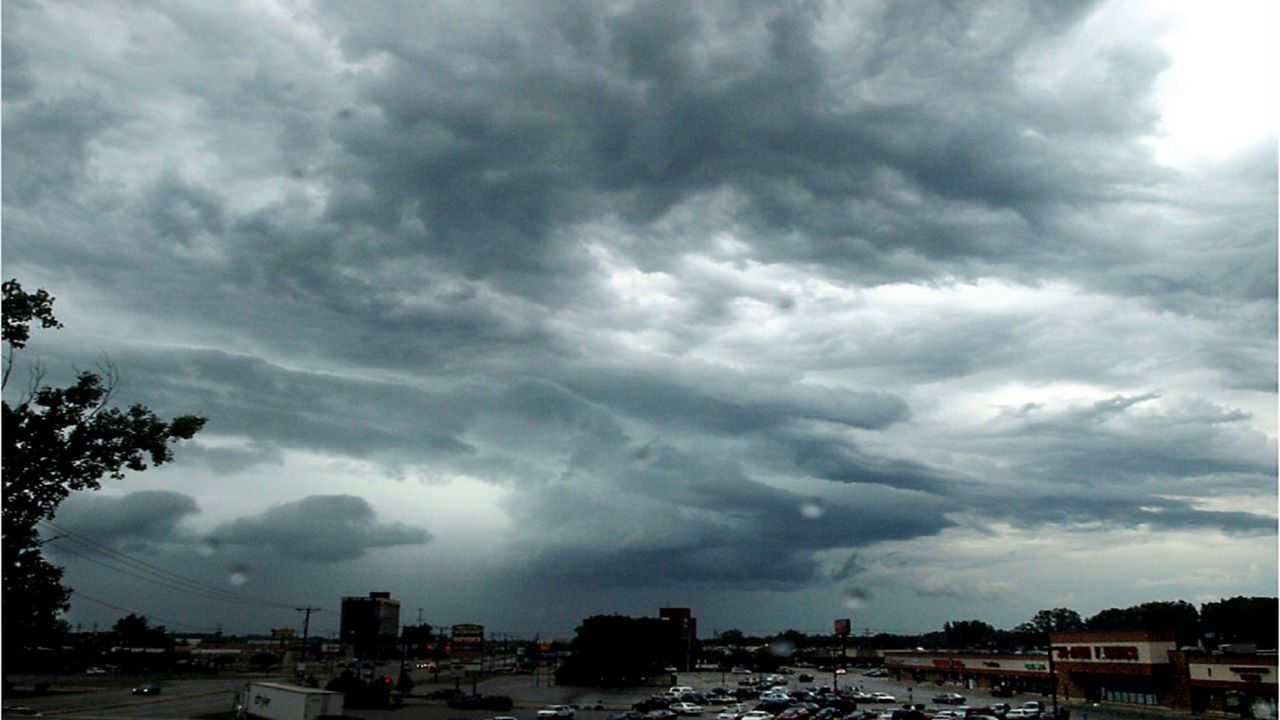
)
(842, 626)
(1118, 652)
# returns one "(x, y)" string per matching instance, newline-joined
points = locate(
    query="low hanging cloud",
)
(143, 517)
(319, 528)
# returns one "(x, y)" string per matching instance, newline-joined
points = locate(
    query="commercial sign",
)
(468, 643)
(976, 665)
(1129, 653)
(842, 626)
(1219, 673)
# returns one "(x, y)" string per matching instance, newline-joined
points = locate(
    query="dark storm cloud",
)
(663, 515)
(724, 402)
(709, 293)
(839, 462)
(1115, 509)
(495, 140)
(148, 516)
(53, 137)
(320, 528)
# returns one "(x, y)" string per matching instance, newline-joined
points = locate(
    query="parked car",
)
(1002, 691)
(659, 714)
(147, 689)
(882, 697)
(774, 696)
(739, 670)
(556, 712)
(732, 712)
(949, 698)
(1022, 714)
(948, 715)
(756, 715)
(653, 702)
(625, 715)
(500, 703)
(686, 709)
(676, 691)
(999, 709)
(444, 694)
(795, 713)
(804, 677)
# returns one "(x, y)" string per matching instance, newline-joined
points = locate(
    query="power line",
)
(155, 574)
(160, 576)
(170, 621)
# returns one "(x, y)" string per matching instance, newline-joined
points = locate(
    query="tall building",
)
(370, 625)
(685, 627)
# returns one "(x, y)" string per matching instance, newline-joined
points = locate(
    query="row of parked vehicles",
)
(762, 699)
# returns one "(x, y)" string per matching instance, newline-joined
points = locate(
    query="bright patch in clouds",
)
(1218, 96)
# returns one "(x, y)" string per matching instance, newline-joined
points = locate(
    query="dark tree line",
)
(1238, 620)
(615, 650)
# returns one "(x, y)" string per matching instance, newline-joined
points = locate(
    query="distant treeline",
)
(620, 650)
(1238, 620)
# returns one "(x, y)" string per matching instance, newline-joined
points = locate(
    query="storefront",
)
(1133, 668)
(1243, 684)
(1020, 673)
(1123, 667)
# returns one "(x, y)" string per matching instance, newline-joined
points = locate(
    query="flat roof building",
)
(370, 625)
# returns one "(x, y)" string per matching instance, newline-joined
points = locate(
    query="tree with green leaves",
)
(1177, 616)
(58, 440)
(1036, 630)
(616, 650)
(1249, 620)
(135, 630)
(969, 634)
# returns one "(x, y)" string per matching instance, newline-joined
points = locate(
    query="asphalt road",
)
(177, 699)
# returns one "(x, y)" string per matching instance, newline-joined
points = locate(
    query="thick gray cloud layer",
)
(730, 297)
(320, 528)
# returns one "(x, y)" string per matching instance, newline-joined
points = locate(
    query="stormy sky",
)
(785, 312)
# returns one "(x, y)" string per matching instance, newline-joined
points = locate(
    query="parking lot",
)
(189, 699)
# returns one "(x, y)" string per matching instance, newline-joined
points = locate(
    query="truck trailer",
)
(278, 701)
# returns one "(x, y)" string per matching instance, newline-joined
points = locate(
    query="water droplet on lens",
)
(781, 648)
(812, 510)
(209, 546)
(239, 575)
(855, 597)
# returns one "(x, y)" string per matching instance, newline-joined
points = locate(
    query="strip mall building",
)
(1114, 667)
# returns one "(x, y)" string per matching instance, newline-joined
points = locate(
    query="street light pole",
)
(1053, 680)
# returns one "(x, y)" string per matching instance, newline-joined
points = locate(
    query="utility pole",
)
(306, 630)
(1053, 678)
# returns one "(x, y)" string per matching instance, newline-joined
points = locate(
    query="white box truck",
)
(278, 701)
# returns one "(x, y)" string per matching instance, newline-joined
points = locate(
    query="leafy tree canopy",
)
(58, 440)
(1241, 620)
(136, 631)
(619, 650)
